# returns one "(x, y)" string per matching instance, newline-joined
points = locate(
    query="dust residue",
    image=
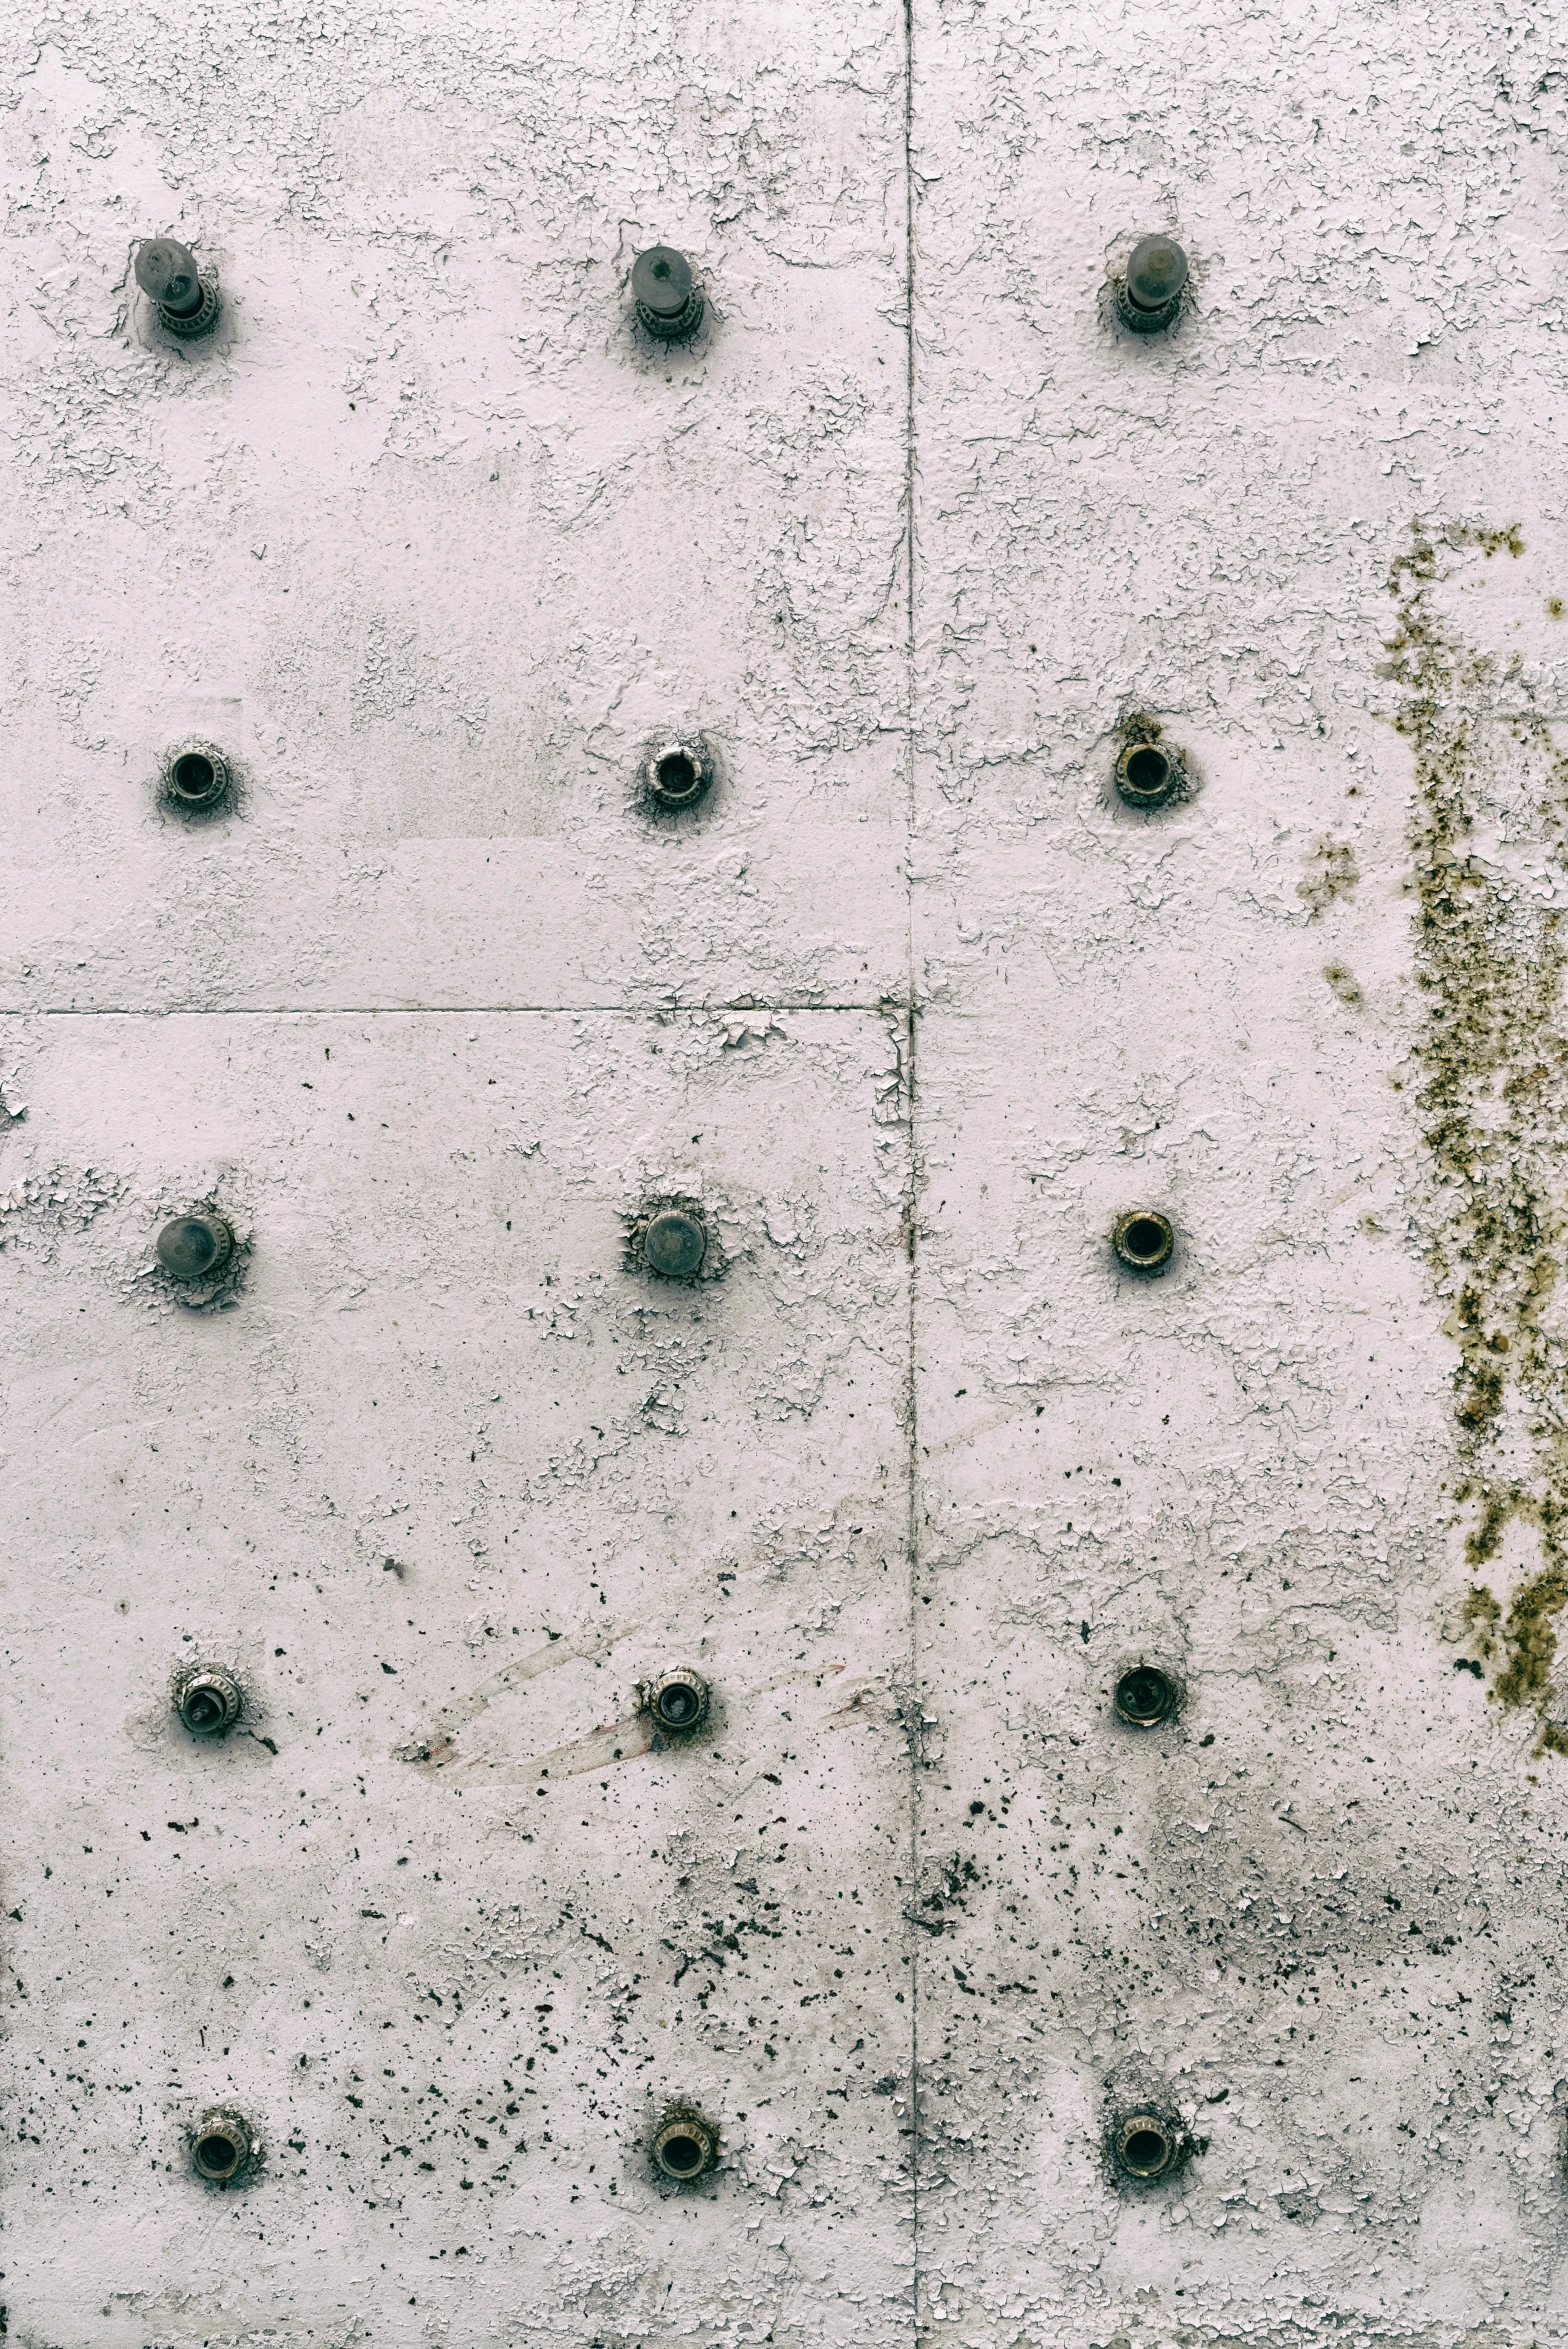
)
(1491, 1061)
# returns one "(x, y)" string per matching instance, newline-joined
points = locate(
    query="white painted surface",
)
(435, 544)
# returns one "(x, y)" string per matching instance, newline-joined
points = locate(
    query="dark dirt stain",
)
(1492, 1059)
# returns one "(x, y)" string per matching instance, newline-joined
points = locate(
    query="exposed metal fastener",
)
(223, 2145)
(674, 1243)
(677, 1700)
(196, 775)
(1147, 774)
(1146, 1696)
(194, 1245)
(678, 772)
(1148, 295)
(187, 302)
(1144, 1240)
(685, 2146)
(1146, 2145)
(668, 299)
(207, 1698)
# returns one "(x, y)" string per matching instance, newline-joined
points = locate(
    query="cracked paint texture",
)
(432, 543)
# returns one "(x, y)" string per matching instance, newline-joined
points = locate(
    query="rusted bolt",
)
(223, 2145)
(1146, 1696)
(674, 1243)
(207, 1698)
(1147, 774)
(685, 2147)
(677, 1700)
(1149, 295)
(187, 303)
(1143, 1240)
(196, 775)
(678, 773)
(669, 302)
(194, 1245)
(1146, 2144)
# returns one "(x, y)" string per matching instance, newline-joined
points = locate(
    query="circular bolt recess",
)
(678, 1701)
(1146, 775)
(684, 2148)
(1145, 2145)
(196, 776)
(677, 774)
(221, 2146)
(675, 1243)
(1145, 1697)
(668, 300)
(167, 271)
(1150, 294)
(1143, 1240)
(194, 1245)
(207, 1699)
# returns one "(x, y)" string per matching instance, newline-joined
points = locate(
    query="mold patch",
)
(1489, 828)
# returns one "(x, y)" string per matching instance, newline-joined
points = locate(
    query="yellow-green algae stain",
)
(1492, 1060)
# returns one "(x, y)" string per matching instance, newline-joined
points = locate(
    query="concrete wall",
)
(433, 542)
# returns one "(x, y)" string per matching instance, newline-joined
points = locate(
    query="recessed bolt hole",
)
(217, 2156)
(677, 774)
(1145, 1696)
(193, 774)
(1146, 2149)
(679, 1706)
(1143, 1241)
(204, 1711)
(686, 2147)
(1148, 769)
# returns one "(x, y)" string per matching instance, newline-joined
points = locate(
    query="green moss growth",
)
(1492, 1059)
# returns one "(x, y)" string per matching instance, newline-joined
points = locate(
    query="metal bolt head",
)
(207, 1699)
(1156, 273)
(194, 1245)
(1146, 2145)
(685, 2147)
(222, 2146)
(1144, 1240)
(677, 773)
(167, 271)
(195, 775)
(678, 1701)
(668, 300)
(661, 281)
(1147, 774)
(1146, 1696)
(675, 1243)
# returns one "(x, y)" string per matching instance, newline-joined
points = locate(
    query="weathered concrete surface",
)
(1318, 1020)
(434, 542)
(443, 1482)
(431, 533)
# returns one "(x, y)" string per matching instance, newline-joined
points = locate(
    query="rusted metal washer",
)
(223, 2146)
(1146, 1695)
(677, 772)
(196, 775)
(1144, 1241)
(207, 1698)
(677, 1701)
(193, 1246)
(685, 2146)
(1146, 2144)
